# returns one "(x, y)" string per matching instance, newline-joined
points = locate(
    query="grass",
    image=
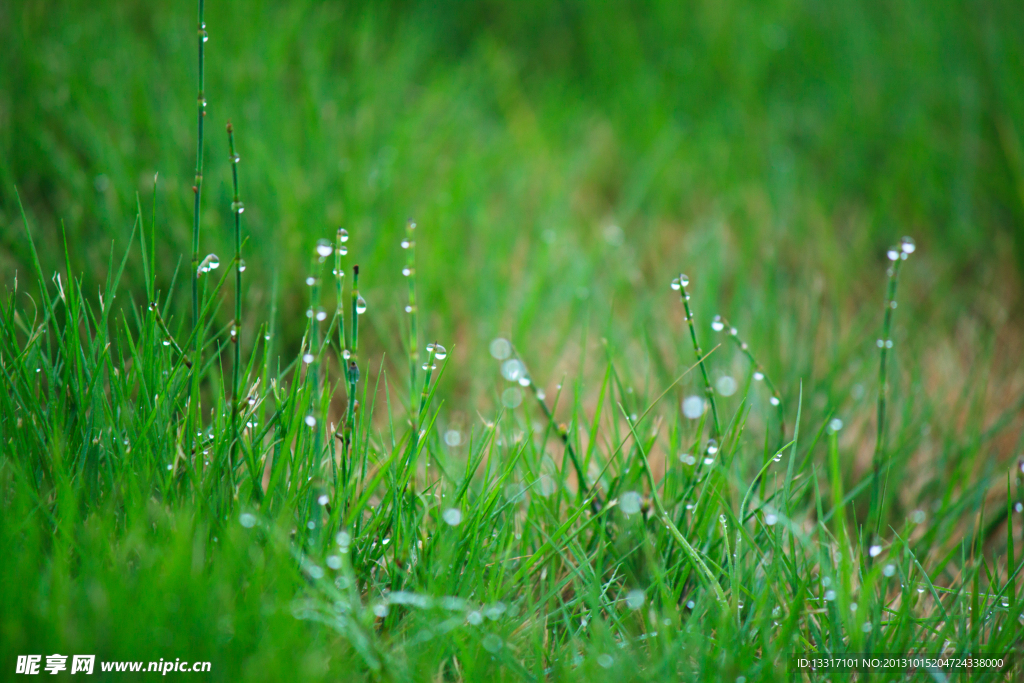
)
(287, 502)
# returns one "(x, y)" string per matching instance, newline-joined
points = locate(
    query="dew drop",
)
(406, 272)
(324, 248)
(893, 254)
(907, 245)
(310, 421)
(360, 305)
(716, 323)
(241, 266)
(693, 407)
(758, 376)
(452, 516)
(635, 599)
(835, 425)
(675, 284)
(726, 385)
(889, 569)
(683, 280)
(875, 550)
(440, 352)
(771, 519)
(342, 235)
(333, 561)
(629, 502)
(237, 207)
(512, 370)
(500, 348)
(307, 358)
(247, 519)
(310, 281)
(774, 400)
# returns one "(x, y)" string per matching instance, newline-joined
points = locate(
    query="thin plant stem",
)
(897, 254)
(409, 244)
(197, 189)
(718, 324)
(680, 284)
(358, 305)
(236, 326)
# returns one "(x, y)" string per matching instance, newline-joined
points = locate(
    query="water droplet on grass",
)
(889, 569)
(830, 595)
(726, 385)
(693, 407)
(491, 643)
(453, 437)
(907, 245)
(343, 538)
(635, 599)
(771, 519)
(324, 248)
(630, 502)
(241, 265)
(875, 550)
(690, 604)
(475, 618)
(323, 499)
(342, 235)
(237, 207)
(406, 272)
(440, 352)
(500, 348)
(687, 459)
(675, 284)
(758, 376)
(605, 661)
(716, 323)
(247, 519)
(512, 397)
(380, 610)
(307, 358)
(333, 561)
(452, 516)
(684, 280)
(310, 421)
(893, 254)
(360, 305)
(512, 370)
(774, 400)
(835, 425)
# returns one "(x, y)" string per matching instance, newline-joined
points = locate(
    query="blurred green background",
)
(562, 159)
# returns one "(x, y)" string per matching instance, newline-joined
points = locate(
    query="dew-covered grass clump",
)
(502, 450)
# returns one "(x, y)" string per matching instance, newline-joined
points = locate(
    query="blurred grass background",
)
(563, 160)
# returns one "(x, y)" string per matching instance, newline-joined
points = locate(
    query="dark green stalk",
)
(680, 283)
(236, 326)
(358, 306)
(719, 324)
(168, 337)
(409, 244)
(197, 189)
(897, 255)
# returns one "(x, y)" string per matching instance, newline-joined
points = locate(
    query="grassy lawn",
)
(411, 385)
